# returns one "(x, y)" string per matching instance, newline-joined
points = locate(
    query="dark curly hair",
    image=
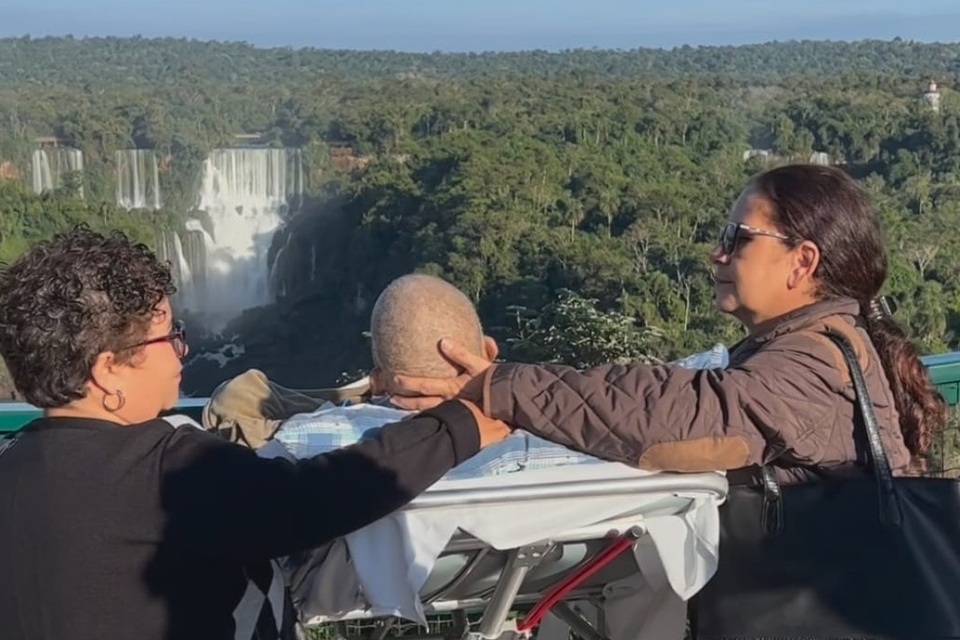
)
(69, 299)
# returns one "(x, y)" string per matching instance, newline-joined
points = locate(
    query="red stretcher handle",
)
(542, 608)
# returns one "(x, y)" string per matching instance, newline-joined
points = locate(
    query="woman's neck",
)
(766, 326)
(92, 413)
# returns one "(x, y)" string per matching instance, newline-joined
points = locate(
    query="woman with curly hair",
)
(116, 524)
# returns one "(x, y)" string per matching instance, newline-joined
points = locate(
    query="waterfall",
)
(185, 253)
(138, 179)
(49, 166)
(246, 194)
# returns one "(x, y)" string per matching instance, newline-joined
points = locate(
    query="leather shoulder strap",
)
(888, 500)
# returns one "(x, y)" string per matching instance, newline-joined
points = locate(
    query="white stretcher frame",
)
(677, 489)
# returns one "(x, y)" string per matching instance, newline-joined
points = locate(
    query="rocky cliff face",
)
(314, 334)
(314, 341)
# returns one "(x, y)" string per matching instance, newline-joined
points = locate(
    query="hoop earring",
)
(120, 401)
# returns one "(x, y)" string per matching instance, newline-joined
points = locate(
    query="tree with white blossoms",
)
(571, 330)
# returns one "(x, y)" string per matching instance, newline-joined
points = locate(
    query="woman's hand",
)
(491, 431)
(417, 394)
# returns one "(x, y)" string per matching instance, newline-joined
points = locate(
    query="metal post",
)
(519, 562)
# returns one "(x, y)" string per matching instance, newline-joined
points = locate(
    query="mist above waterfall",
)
(222, 259)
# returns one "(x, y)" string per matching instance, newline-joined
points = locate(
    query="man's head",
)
(410, 318)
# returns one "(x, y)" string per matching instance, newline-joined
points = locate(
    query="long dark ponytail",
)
(922, 409)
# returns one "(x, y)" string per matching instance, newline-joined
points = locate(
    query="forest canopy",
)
(561, 191)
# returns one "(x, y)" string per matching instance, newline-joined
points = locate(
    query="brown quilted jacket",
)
(786, 397)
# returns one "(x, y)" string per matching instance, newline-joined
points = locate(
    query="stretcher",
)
(483, 587)
(517, 534)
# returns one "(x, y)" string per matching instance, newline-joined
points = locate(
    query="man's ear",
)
(377, 388)
(490, 348)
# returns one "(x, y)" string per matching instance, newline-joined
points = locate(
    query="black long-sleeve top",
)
(155, 532)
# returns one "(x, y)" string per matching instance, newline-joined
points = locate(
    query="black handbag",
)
(870, 556)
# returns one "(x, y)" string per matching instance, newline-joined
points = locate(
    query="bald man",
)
(411, 316)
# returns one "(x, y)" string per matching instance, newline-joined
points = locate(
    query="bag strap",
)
(889, 505)
(772, 515)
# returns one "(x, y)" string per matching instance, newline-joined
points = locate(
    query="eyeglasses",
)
(177, 339)
(731, 233)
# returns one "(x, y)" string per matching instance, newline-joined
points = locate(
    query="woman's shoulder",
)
(182, 430)
(184, 438)
(814, 345)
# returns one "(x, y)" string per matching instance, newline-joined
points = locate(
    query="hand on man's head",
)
(418, 393)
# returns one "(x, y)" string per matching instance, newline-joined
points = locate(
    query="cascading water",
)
(245, 194)
(138, 179)
(49, 166)
(185, 251)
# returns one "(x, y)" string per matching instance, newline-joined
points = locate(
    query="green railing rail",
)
(945, 374)
(944, 371)
(14, 415)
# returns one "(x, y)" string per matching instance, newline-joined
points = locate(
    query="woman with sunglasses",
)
(802, 253)
(116, 524)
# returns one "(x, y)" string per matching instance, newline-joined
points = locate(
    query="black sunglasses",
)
(177, 339)
(731, 234)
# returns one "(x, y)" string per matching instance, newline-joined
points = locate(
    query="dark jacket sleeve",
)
(222, 499)
(784, 399)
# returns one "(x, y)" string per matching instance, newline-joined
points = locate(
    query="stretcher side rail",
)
(660, 483)
(494, 604)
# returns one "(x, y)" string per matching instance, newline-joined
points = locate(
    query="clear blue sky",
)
(472, 25)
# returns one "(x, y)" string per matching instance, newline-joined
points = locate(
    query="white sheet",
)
(394, 556)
